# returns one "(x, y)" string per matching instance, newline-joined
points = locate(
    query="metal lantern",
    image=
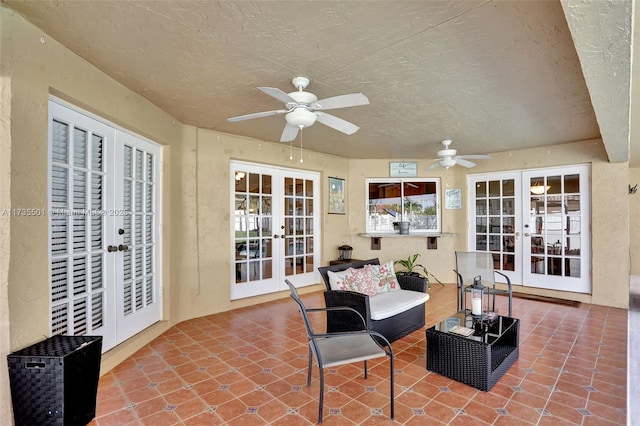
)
(345, 252)
(478, 294)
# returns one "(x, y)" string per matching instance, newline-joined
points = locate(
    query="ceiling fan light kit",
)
(447, 162)
(300, 118)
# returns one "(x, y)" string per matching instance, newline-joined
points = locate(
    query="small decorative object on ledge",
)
(345, 252)
(404, 228)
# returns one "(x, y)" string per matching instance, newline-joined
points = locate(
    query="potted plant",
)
(415, 269)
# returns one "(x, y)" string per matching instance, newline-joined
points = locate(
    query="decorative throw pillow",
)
(337, 280)
(385, 277)
(361, 280)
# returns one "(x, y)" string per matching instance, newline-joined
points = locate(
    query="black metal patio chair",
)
(339, 348)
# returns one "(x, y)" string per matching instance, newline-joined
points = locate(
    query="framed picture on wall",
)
(336, 196)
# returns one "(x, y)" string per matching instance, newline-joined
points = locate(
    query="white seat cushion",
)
(386, 305)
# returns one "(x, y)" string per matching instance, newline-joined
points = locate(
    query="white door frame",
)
(277, 242)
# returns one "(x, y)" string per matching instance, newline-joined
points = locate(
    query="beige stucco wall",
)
(5, 234)
(634, 222)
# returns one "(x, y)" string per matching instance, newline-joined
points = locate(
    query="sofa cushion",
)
(388, 304)
(385, 277)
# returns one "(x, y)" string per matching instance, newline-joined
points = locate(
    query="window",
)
(390, 201)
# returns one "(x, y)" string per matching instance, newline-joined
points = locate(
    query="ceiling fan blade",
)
(475, 156)
(337, 123)
(289, 133)
(465, 163)
(342, 101)
(433, 166)
(278, 94)
(256, 115)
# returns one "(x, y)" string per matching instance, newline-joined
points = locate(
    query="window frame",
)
(401, 181)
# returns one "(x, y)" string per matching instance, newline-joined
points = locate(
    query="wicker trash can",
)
(55, 382)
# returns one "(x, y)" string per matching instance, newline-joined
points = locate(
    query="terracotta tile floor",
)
(248, 366)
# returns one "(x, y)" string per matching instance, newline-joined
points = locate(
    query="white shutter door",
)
(138, 219)
(77, 220)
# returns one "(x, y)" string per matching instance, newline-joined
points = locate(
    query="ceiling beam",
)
(601, 32)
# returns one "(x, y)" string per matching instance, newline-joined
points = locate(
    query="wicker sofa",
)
(393, 327)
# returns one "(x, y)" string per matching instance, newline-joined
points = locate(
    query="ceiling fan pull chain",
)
(291, 150)
(301, 145)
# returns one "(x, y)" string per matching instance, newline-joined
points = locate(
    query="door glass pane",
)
(508, 206)
(481, 225)
(254, 183)
(266, 184)
(288, 186)
(494, 206)
(537, 185)
(555, 224)
(495, 221)
(481, 189)
(298, 223)
(508, 188)
(554, 185)
(572, 184)
(494, 188)
(253, 223)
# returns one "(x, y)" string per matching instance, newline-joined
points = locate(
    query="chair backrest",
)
(343, 266)
(470, 264)
(303, 310)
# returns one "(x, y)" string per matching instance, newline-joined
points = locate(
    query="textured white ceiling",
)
(491, 75)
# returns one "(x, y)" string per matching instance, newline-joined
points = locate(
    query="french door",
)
(104, 187)
(275, 216)
(536, 224)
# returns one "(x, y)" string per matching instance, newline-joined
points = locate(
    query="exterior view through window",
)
(404, 200)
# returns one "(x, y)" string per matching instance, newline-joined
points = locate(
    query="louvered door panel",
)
(77, 223)
(138, 183)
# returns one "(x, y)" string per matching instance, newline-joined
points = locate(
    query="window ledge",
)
(410, 234)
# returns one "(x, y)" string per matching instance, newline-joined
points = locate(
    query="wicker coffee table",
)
(478, 360)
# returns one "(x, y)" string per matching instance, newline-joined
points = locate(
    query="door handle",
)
(122, 247)
(276, 236)
(526, 234)
(111, 249)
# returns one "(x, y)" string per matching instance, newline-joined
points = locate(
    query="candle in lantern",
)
(476, 306)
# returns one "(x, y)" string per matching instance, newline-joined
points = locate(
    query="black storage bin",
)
(55, 382)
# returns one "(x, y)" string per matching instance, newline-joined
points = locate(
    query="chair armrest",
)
(350, 299)
(410, 282)
(506, 277)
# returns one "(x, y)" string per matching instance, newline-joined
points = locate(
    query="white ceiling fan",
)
(448, 158)
(303, 109)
